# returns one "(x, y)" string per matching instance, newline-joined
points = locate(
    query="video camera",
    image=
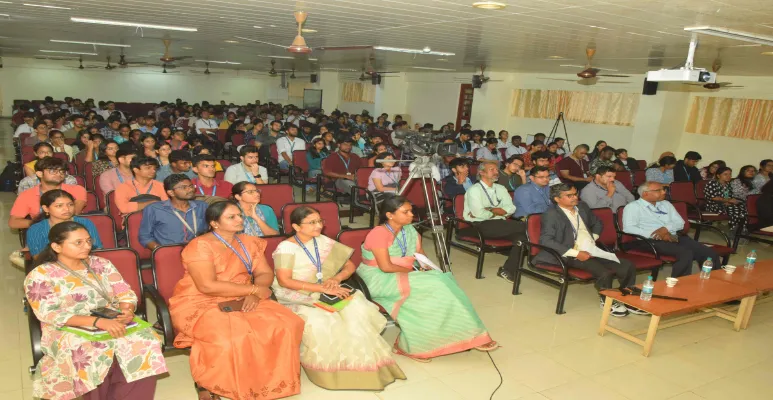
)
(421, 144)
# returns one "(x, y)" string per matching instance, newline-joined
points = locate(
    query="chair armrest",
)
(356, 282)
(693, 208)
(164, 317)
(456, 220)
(639, 238)
(717, 230)
(559, 257)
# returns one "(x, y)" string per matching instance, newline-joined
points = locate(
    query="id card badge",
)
(319, 276)
(584, 175)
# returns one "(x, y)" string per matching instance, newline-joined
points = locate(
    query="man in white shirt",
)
(248, 170)
(287, 144)
(206, 126)
(26, 127)
(490, 152)
(515, 148)
(109, 110)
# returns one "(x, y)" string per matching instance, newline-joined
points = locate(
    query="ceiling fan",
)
(80, 64)
(590, 71)
(715, 67)
(165, 66)
(585, 81)
(122, 63)
(109, 66)
(166, 58)
(206, 71)
(272, 71)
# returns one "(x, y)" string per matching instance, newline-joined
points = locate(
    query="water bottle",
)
(646, 289)
(706, 269)
(751, 258)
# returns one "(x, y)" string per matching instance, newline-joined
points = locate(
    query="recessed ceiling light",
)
(273, 26)
(304, 30)
(413, 51)
(46, 6)
(133, 24)
(218, 62)
(69, 52)
(598, 27)
(489, 5)
(6, 2)
(747, 45)
(641, 34)
(767, 53)
(442, 59)
(285, 57)
(187, 48)
(258, 27)
(555, 57)
(232, 41)
(312, 59)
(4, 15)
(434, 69)
(91, 43)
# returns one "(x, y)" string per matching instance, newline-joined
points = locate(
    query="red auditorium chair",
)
(642, 164)
(92, 203)
(753, 219)
(354, 238)
(626, 240)
(89, 175)
(105, 227)
(362, 198)
(608, 241)
(132, 225)
(271, 244)
(724, 251)
(299, 176)
(328, 211)
(685, 192)
(167, 269)
(626, 179)
(276, 196)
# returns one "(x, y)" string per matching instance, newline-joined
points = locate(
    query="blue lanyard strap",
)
(250, 177)
(547, 200)
(346, 163)
(402, 243)
(138, 191)
(120, 178)
(201, 189)
(317, 262)
(489, 197)
(248, 261)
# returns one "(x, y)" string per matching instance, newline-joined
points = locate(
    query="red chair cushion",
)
(720, 249)
(720, 217)
(641, 262)
(487, 242)
(573, 272)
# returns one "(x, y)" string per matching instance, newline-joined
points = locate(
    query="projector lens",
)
(704, 77)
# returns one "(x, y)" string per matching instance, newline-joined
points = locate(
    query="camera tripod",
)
(552, 135)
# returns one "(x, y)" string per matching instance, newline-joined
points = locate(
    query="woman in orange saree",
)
(248, 354)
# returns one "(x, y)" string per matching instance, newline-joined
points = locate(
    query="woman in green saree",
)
(434, 314)
(341, 349)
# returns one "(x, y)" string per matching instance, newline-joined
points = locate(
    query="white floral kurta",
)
(72, 365)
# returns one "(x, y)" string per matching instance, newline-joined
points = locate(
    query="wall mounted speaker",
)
(313, 78)
(650, 88)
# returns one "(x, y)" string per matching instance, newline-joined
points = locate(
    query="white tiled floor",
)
(545, 356)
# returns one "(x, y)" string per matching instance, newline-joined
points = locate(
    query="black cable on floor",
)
(501, 380)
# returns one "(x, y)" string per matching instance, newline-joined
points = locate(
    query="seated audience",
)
(248, 170)
(686, 170)
(543, 159)
(604, 159)
(552, 149)
(51, 172)
(627, 163)
(179, 163)
(253, 351)
(57, 141)
(341, 166)
(490, 152)
(358, 148)
(721, 199)
(41, 150)
(459, 180)
(515, 148)
(654, 218)
(605, 191)
(656, 164)
(425, 302)
(488, 205)
(58, 206)
(574, 170)
(333, 343)
(107, 159)
(513, 174)
(176, 220)
(148, 145)
(536, 147)
(205, 168)
(464, 144)
(502, 142)
(177, 142)
(664, 172)
(163, 150)
(384, 180)
(40, 134)
(571, 229)
(142, 190)
(63, 290)
(27, 126)
(259, 219)
(560, 143)
(597, 150)
(110, 179)
(763, 175)
(710, 171)
(743, 184)
(533, 197)
(287, 144)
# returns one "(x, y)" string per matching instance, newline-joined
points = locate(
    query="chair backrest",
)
(237, 139)
(69, 141)
(473, 170)
(105, 227)
(272, 151)
(354, 238)
(533, 231)
(62, 156)
(98, 190)
(80, 162)
(127, 263)
(751, 208)
(626, 179)
(642, 164)
(700, 188)
(328, 210)
(459, 210)
(362, 176)
(415, 192)
(271, 244)
(681, 208)
(224, 163)
(27, 155)
(299, 160)
(608, 235)
(133, 222)
(92, 203)
(619, 226)
(639, 177)
(475, 153)
(683, 191)
(503, 154)
(276, 195)
(113, 210)
(168, 269)
(81, 181)
(89, 175)
(221, 134)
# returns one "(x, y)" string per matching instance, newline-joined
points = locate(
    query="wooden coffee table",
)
(759, 279)
(702, 294)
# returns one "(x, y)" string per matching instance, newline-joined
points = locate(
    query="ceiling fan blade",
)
(337, 48)
(613, 82)
(556, 79)
(573, 65)
(614, 76)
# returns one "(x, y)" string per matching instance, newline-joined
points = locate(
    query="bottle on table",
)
(751, 258)
(646, 289)
(706, 269)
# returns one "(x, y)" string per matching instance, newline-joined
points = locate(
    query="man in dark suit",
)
(571, 229)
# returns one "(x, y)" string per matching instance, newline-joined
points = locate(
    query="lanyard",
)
(657, 210)
(547, 200)
(201, 189)
(185, 224)
(250, 177)
(346, 163)
(120, 177)
(101, 290)
(575, 230)
(292, 145)
(318, 262)
(247, 262)
(252, 222)
(689, 178)
(464, 146)
(402, 243)
(40, 195)
(138, 191)
(489, 197)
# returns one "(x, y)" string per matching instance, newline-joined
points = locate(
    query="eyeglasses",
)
(56, 171)
(315, 222)
(251, 191)
(82, 242)
(184, 187)
(656, 190)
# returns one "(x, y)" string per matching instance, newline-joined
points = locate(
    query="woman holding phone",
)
(341, 349)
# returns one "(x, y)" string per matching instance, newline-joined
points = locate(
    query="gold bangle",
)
(303, 286)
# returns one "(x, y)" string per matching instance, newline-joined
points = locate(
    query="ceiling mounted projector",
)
(682, 75)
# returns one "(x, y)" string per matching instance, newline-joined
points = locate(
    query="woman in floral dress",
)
(722, 200)
(62, 290)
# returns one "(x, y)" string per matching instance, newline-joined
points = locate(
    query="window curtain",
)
(731, 117)
(609, 108)
(358, 92)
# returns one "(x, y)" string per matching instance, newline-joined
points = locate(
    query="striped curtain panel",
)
(358, 92)
(609, 108)
(731, 117)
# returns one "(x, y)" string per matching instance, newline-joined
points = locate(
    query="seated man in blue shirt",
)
(177, 220)
(533, 197)
(179, 163)
(459, 180)
(653, 217)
